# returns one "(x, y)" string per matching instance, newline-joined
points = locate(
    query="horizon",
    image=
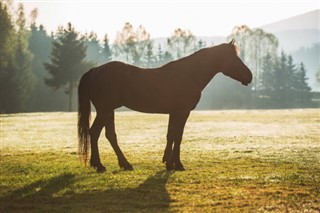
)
(226, 15)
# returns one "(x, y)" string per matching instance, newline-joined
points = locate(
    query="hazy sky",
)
(160, 18)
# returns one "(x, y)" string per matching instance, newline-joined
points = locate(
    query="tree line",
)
(39, 72)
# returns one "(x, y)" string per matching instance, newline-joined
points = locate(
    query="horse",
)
(174, 88)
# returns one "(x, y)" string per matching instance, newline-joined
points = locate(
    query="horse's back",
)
(146, 90)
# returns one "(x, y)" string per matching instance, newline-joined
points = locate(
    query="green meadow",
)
(236, 161)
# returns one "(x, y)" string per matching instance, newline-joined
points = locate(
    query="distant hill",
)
(296, 32)
(299, 36)
(292, 40)
(309, 20)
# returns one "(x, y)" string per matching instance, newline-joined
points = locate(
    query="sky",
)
(161, 17)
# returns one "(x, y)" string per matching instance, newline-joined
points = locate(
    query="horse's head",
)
(232, 66)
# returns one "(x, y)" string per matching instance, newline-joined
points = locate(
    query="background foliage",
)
(40, 71)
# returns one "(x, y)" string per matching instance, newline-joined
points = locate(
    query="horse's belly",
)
(148, 103)
(161, 101)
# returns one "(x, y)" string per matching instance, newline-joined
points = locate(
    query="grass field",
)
(236, 161)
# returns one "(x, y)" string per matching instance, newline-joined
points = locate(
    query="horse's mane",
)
(188, 57)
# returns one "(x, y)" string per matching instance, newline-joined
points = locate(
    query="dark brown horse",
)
(173, 89)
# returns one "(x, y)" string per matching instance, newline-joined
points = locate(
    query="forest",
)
(40, 70)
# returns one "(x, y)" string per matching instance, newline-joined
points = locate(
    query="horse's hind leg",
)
(112, 137)
(95, 131)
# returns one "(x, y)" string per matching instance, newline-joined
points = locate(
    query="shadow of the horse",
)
(149, 196)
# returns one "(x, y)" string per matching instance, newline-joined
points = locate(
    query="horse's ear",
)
(232, 41)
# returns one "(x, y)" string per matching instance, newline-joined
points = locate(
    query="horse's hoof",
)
(101, 169)
(96, 165)
(169, 167)
(128, 168)
(179, 168)
(93, 165)
(164, 159)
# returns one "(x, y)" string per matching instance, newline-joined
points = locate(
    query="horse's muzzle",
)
(248, 79)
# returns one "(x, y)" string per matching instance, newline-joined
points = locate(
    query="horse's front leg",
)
(177, 123)
(95, 131)
(168, 150)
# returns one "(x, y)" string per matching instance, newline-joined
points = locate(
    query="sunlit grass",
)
(254, 161)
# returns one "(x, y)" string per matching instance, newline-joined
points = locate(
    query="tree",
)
(181, 43)
(301, 87)
(97, 53)
(267, 80)
(318, 75)
(161, 57)
(131, 45)
(93, 48)
(40, 44)
(200, 44)
(106, 50)
(67, 60)
(149, 58)
(43, 98)
(7, 43)
(283, 82)
(24, 57)
(167, 57)
(16, 72)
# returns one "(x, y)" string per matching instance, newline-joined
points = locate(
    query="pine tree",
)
(7, 38)
(291, 81)
(302, 87)
(16, 70)
(43, 98)
(149, 58)
(24, 60)
(318, 75)
(7, 44)
(297, 89)
(94, 50)
(159, 56)
(267, 81)
(106, 50)
(167, 57)
(40, 44)
(284, 82)
(67, 61)
(200, 44)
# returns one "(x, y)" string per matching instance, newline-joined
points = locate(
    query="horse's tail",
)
(84, 114)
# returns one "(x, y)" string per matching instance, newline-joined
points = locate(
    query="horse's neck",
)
(198, 68)
(207, 66)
